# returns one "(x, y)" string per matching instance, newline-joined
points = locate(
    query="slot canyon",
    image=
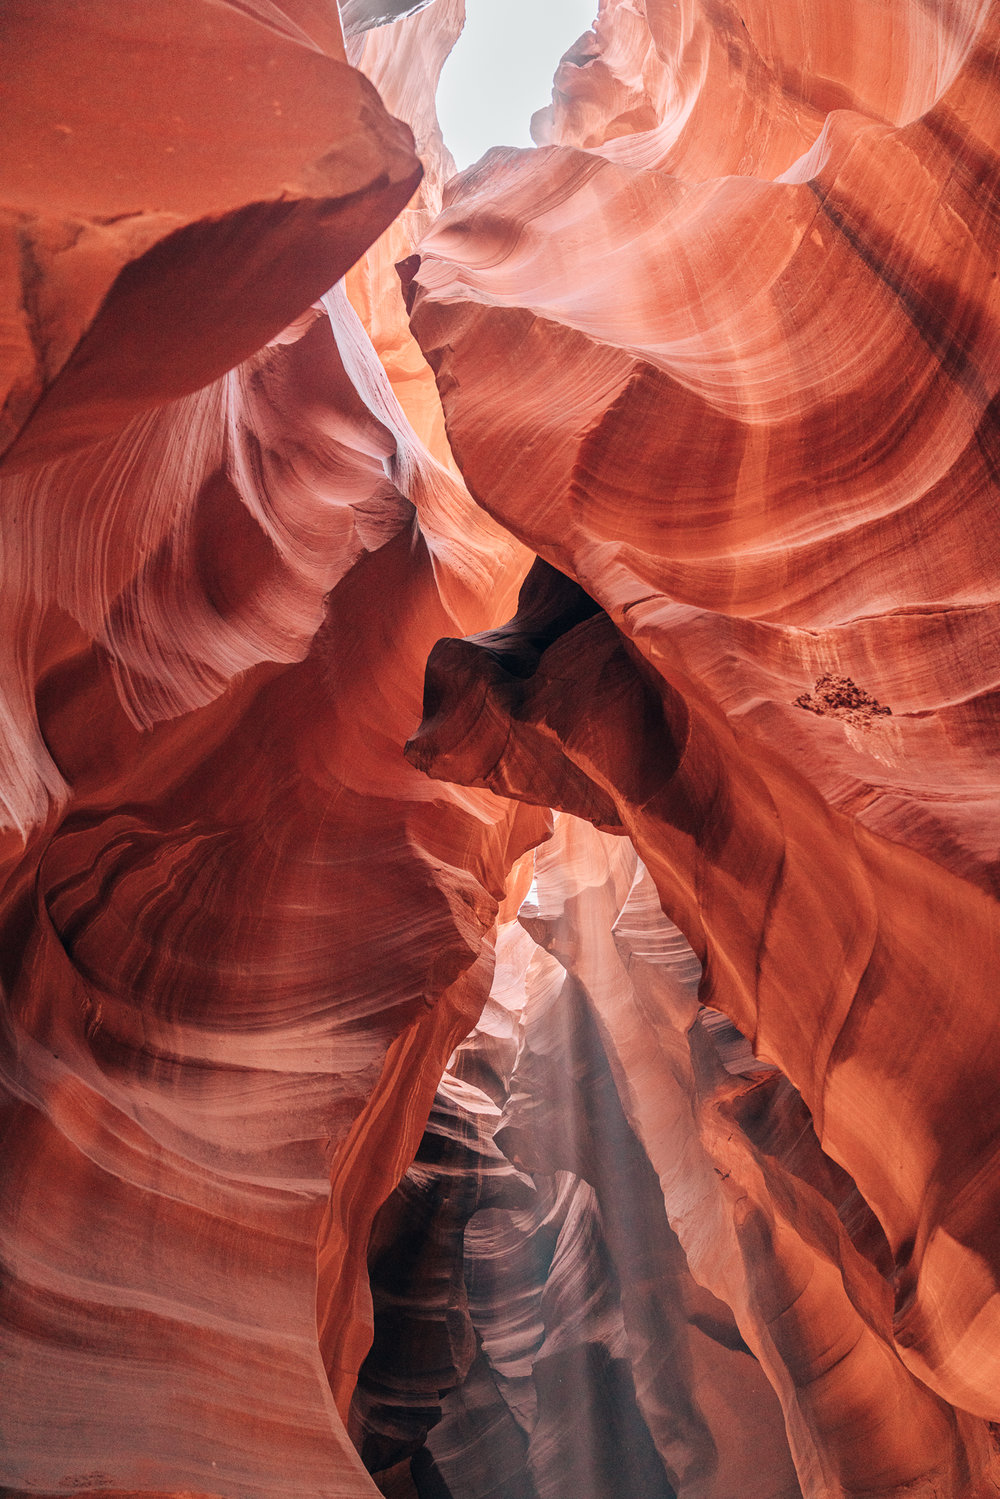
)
(499, 702)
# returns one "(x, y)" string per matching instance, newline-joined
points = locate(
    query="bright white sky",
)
(501, 70)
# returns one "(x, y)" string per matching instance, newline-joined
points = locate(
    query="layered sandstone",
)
(746, 293)
(365, 1131)
(241, 935)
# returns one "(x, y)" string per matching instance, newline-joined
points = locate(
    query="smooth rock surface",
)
(241, 935)
(599, 1097)
(755, 423)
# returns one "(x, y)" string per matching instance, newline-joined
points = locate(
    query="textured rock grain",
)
(240, 935)
(746, 295)
(361, 1133)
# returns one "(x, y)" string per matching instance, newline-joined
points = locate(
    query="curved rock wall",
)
(746, 294)
(350, 1146)
(241, 935)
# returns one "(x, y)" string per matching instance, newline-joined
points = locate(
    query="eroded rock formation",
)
(597, 1098)
(241, 935)
(708, 311)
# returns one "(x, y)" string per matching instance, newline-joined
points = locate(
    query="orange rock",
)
(754, 330)
(811, 935)
(241, 935)
(684, 1182)
(215, 175)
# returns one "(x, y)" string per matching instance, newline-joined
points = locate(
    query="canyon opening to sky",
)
(499, 683)
(500, 71)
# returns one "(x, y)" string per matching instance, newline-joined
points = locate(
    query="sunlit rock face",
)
(599, 1364)
(747, 296)
(404, 61)
(596, 1098)
(241, 934)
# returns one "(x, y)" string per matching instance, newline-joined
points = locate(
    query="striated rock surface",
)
(176, 189)
(744, 404)
(746, 296)
(366, 1129)
(404, 61)
(817, 959)
(240, 935)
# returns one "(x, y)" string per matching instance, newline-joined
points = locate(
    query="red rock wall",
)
(322, 1174)
(753, 324)
(241, 935)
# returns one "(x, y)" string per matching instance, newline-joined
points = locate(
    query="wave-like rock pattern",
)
(812, 935)
(240, 935)
(569, 1376)
(758, 1215)
(707, 1202)
(747, 401)
(768, 1223)
(756, 423)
